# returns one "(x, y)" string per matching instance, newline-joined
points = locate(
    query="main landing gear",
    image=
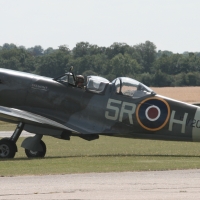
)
(8, 148)
(34, 146)
(37, 154)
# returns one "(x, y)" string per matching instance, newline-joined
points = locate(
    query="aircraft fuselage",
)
(108, 113)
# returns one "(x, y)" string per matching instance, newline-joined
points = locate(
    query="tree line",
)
(141, 62)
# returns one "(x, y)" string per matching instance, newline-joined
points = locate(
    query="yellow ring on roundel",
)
(165, 122)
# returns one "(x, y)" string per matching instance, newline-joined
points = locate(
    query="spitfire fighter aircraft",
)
(69, 106)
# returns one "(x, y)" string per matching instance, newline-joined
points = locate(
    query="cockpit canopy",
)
(122, 85)
(130, 87)
(96, 83)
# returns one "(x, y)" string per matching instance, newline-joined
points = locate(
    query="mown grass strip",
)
(104, 155)
(4, 126)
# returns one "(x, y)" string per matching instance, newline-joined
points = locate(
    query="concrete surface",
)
(152, 185)
(9, 133)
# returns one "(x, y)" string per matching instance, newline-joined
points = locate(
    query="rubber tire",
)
(9, 148)
(36, 154)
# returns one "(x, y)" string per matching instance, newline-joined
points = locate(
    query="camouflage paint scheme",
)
(58, 108)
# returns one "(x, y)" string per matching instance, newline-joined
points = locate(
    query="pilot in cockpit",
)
(80, 81)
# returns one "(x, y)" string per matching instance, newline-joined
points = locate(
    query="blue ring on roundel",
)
(161, 119)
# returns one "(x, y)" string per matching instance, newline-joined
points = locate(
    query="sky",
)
(172, 25)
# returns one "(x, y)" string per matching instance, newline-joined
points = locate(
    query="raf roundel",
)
(153, 113)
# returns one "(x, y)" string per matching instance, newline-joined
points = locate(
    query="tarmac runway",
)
(152, 185)
(9, 133)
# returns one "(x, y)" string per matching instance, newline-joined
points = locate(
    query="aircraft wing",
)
(16, 115)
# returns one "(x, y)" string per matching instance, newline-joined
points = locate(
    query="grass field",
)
(4, 126)
(186, 94)
(104, 155)
(107, 154)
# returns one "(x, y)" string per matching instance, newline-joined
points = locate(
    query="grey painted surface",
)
(9, 133)
(154, 185)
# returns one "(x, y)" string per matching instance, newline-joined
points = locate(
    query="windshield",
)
(66, 78)
(130, 87)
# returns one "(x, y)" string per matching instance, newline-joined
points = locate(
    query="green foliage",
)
(89, 72)
(141, 61)
(36, 50)
(16, 59)
(122, 65)
(161, 79)
(145, 78)
(53, 64)
(146, 53)
(166, 53)
(48, 51)
(118, 48)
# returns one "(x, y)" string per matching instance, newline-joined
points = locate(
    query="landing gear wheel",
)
(37, 154)
(8, 148)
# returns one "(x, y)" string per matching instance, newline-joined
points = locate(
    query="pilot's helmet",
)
(80, 81)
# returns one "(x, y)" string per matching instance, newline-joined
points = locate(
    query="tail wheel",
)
(8, 148)
(36, 154)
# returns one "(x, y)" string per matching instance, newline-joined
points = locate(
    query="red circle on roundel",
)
(152, 113)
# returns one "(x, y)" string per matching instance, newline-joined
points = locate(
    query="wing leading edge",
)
(16, 115)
